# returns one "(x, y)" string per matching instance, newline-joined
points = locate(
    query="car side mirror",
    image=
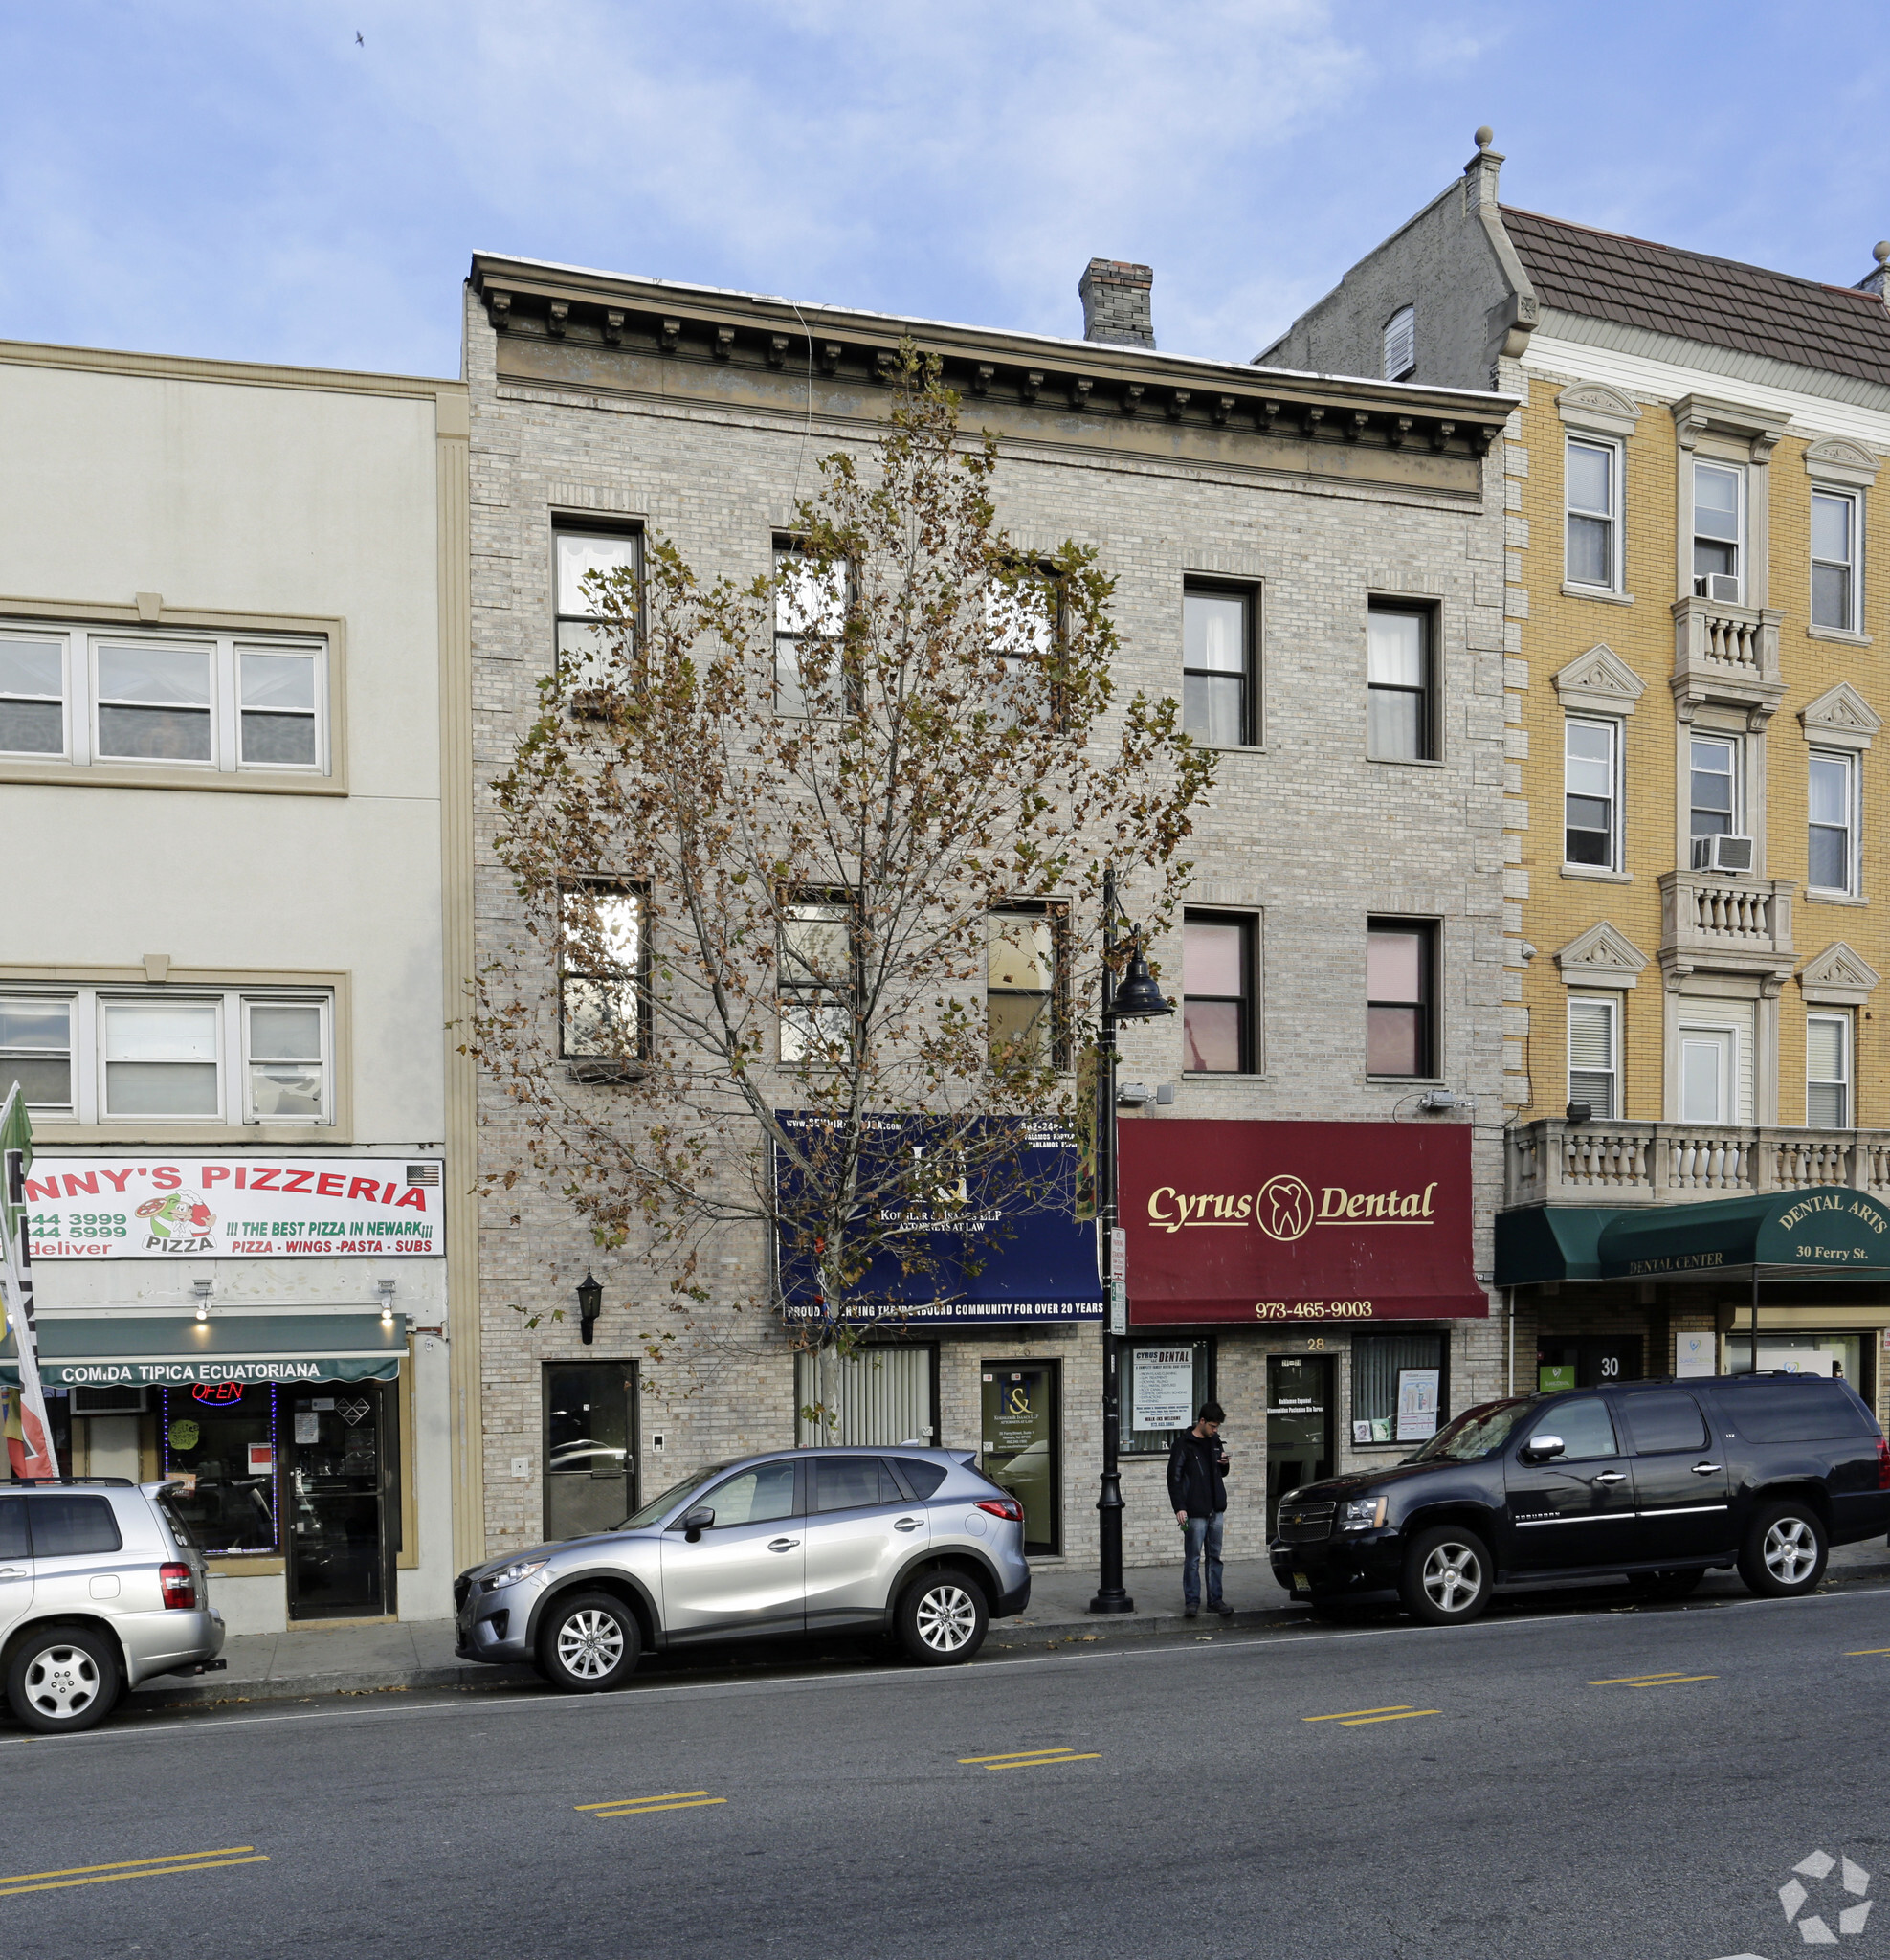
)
(1540, 1449)
(695, 1522)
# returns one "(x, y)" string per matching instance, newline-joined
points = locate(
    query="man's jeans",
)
(1204, 1534)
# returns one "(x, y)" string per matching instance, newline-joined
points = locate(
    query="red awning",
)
(1296, 1222)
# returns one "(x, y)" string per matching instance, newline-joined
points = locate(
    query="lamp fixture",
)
(203, 1288)
(385, 1289)
(589, 1304)
(1138, 998)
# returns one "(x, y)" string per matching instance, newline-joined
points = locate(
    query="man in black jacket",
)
(1197, 1489)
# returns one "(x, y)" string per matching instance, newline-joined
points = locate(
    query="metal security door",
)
(1299, 1425)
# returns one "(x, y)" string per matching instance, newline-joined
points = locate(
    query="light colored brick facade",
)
(699, 414)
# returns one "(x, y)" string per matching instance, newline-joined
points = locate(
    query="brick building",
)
(1697, 834)
(1358, 815)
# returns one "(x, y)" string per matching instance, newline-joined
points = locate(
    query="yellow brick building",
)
(1696, 909)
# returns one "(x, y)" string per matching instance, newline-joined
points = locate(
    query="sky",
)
(305, 180)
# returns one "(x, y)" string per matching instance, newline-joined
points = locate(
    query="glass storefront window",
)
(1378, 1360)
(220, 1439)
(1835, 1355)
(1163, 1384)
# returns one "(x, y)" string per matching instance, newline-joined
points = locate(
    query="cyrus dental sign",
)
(153, 1208)
(1297, 1221)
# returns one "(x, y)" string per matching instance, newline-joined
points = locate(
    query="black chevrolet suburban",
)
(1661, 1482)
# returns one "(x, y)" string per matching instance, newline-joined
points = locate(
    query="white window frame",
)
(1853, 622)
(1400, 336)
(1742, 569)
(1846, 1081)
(80, 649)
(1616, 470)
(629, 538)
(1737, 744)
(1846, 761)
(1616, 792)
(235, 1104)
(1610, 1004)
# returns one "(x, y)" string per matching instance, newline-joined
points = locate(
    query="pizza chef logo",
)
(178, 1215)
(1285, 1207)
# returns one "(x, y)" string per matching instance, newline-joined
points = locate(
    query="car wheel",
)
(1674, 1585)
(589, 1644)
(1447, 1576)
(63, 1678)
(942, 1618)
(1785, 1551)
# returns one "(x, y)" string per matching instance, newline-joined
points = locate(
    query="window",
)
(810, 613)
(1590, 775)
(1584, 1426)
(1399, 1034)
(68, 1526)
(220, 703)
(1832, 800)
(1162, 1384)
(1714, 767)
(1834, 530)
(583, 646)
(601, 973)
(1593, 1051)
(753, 1496)
(1594, 498)
(1023, 993)
(1398, 675)
(814, 973)
(1377, 1362)
(229, 1449)
(851, 1484)
(104, 1054)
(1719, 531)
(1665, 1419)
(1217, 666)
(1828, 1071)
(32, 696)
(1217, 993)
(1401, 345)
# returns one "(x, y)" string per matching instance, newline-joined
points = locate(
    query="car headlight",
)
(1362, 1514)
(510, 1576)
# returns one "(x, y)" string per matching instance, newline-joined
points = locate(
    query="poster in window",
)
(1418, 1390)
(1163, 1395)
(1693, 1355)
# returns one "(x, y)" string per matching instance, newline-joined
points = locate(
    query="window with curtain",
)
(1592, 494)
(1401, 1037)
(1828, 1071)
(1594, 1041)
(1217, 665)
(1377, 1359)
(1398, 706)
(1217, 993)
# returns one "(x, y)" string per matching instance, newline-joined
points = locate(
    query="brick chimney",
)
(1115, 297)
(1877, 280)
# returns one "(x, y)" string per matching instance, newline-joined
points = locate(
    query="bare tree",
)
(804, 859)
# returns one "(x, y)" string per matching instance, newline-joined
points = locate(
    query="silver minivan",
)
(917, 1543)
(101, 1588)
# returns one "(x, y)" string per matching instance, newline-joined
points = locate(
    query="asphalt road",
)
(1508, 1788)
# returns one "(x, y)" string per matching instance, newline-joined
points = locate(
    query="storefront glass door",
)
(341, 1449)
(1023, 1452)
(1299, 1424)
(590, 1446)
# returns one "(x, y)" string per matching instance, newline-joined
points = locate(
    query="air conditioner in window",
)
(123, 1400)
(1723, 854)
(1718, 586)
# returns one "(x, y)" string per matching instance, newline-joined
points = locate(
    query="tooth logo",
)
(1284, 1207)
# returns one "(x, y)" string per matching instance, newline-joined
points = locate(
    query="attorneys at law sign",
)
(150, 1207)
(1297, 1221)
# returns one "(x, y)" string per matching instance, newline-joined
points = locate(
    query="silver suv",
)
(918, 1543)
(101, 1588)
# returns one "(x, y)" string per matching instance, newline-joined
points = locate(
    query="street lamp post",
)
(1137, 999)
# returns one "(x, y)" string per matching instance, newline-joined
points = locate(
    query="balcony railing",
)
(1714, 919)
(1602, 1163)
(1726, 653)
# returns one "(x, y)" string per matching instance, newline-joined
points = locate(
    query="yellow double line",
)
(131, 1869)
(1032, 1759)
(1358, 1718)
(1672, 1679)
(642, 1806)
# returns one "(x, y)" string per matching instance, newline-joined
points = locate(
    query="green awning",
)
(1824, 1233)
(175, 1351)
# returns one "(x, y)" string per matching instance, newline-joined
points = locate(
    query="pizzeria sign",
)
(151, 1208)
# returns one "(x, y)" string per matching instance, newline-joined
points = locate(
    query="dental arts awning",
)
(1826, 1233)
(141, 1352)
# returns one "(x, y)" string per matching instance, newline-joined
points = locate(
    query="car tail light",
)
(1005, 1508)
(180, 1586)
(1882, 1464)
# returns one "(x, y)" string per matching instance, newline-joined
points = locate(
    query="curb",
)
(161, 1693)
(1026, 1632)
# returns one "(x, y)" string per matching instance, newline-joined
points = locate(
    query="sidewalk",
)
(390, 1660)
